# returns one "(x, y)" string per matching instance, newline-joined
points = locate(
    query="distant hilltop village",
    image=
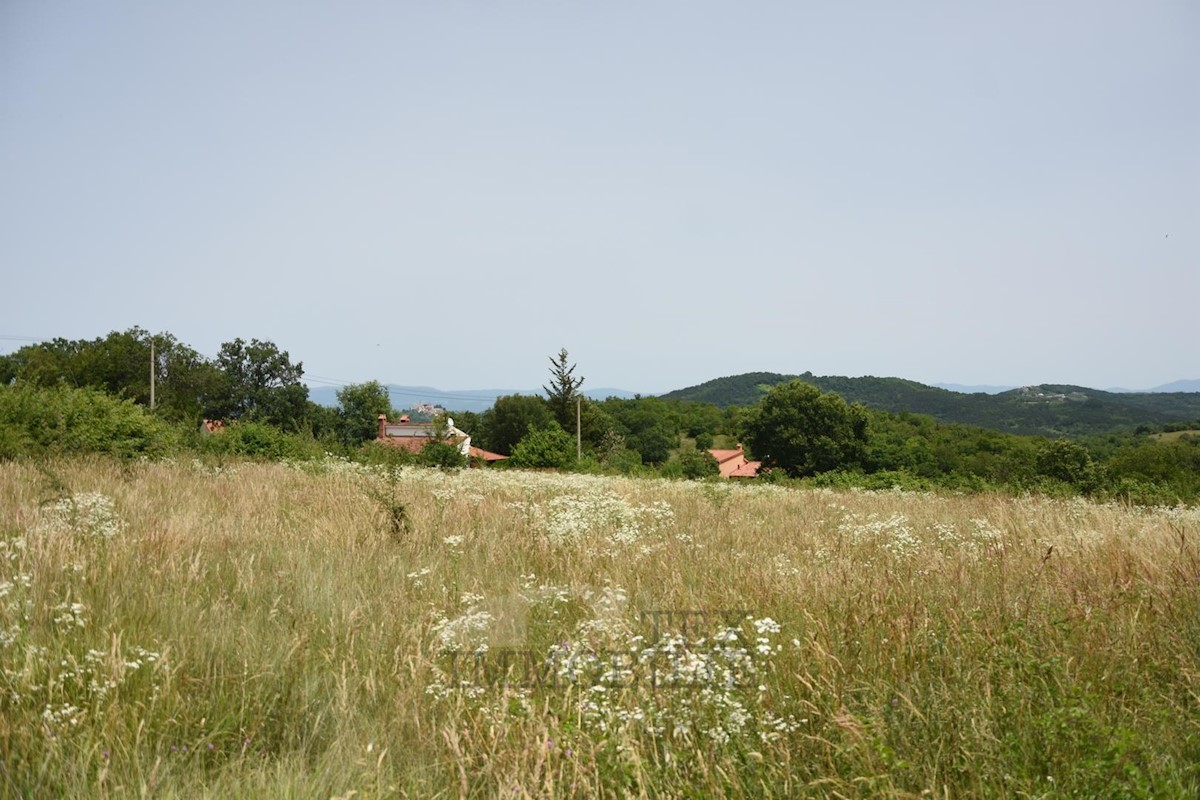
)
(426, 410)
(1038, 393)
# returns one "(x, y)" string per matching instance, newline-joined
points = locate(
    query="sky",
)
(447, 193)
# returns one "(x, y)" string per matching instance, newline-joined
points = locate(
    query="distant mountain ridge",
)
(1047, 410)
(1179, 386)
(477, 400)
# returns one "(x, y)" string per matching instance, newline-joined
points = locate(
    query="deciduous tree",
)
(261, 384)
(120, 365)
(799, 429)
(509, 419)
(359, 407)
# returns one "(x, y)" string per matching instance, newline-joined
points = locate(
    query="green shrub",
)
(1068, 462)
(62, 420)
(624, 461)
(442, 455)
(1140, 492)
(588, 464)
(383, 454)
(262, 441)
(672, 469)
(697, 464)
(550, 446)
(14, 441)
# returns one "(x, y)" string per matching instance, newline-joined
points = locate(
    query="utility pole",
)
(578, 429)
(152, 371)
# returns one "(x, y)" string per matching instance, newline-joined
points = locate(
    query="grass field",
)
(1175, 436)
(199, 630)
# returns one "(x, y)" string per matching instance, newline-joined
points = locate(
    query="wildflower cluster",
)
(468, 632)
(215, 470)
(690, 677)
(331, 464)
(894, 533)
(571, 518)
(74, 687)
(418, 576)
(901, 538)
(46, 674)
(65, 686)
(785, 567)
(15, 595)
(71, 615)
(89, 515)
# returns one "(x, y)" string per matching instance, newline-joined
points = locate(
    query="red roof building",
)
(413, 436)
(733, 463)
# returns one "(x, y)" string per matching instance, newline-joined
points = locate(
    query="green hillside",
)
(1048, 410)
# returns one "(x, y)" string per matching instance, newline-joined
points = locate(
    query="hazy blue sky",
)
(445, 193)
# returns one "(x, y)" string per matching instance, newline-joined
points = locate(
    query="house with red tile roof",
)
(733, 463)
(413, 436)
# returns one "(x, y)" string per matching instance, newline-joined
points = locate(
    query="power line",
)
(9, 337)
(392, 390)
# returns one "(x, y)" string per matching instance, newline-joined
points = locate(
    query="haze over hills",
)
(963, 389)
(1175, 386)
(1178, 386)
(477, 400)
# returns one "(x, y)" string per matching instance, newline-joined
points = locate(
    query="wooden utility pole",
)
(152, 371)
(578, 429)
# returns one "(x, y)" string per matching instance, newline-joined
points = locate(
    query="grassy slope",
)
(1175, 436)
(971, 646)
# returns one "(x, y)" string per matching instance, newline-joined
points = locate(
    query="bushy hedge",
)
(259, 440)
(63, 420)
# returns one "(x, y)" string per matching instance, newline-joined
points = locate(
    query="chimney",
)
(382, 426)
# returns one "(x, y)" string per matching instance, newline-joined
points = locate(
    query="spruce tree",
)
(563, 389)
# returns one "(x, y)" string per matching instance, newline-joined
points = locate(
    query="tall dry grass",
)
(189, 630)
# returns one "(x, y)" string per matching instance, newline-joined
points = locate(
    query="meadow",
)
(325, 629)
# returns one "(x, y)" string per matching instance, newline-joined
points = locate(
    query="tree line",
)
(94, 395)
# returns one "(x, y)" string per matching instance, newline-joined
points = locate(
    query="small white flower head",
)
(766, 625)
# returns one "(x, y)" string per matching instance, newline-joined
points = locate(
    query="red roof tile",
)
(747, 470)
(479, 452)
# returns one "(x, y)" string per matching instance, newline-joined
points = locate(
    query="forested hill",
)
(1048, 410)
